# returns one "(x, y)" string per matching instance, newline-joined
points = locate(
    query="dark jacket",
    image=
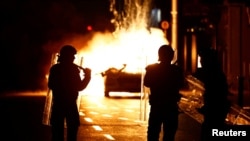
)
(65, 82)
(164, 81)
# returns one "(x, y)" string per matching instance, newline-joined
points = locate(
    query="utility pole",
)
(174, 31)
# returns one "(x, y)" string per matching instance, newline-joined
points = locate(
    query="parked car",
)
(118, 80)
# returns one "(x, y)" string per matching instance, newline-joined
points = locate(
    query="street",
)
(115, 118)
(111, 118)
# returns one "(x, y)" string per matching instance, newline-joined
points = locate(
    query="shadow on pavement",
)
(21, 119)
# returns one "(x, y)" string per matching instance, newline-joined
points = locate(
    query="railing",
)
(192, 99)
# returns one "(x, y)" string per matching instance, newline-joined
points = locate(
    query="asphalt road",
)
(102, 119)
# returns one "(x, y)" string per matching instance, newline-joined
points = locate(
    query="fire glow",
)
(133, 42)
(135, 48)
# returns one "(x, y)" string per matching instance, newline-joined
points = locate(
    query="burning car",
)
(119, 80)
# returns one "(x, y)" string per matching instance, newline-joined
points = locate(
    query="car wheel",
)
(106, 93)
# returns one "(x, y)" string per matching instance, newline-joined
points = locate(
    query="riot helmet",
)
(67, 53)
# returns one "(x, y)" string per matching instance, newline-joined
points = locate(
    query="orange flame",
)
(132, 43)
(136, 49)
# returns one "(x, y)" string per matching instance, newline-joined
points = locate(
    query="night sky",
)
(27, 25)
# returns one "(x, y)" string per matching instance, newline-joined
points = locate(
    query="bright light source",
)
(89, 28)
(199, 62)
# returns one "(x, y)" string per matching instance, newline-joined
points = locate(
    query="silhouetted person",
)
(216, 104)
(164, 81)
(65, 83)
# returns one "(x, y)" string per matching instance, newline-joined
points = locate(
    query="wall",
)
(237, 32)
